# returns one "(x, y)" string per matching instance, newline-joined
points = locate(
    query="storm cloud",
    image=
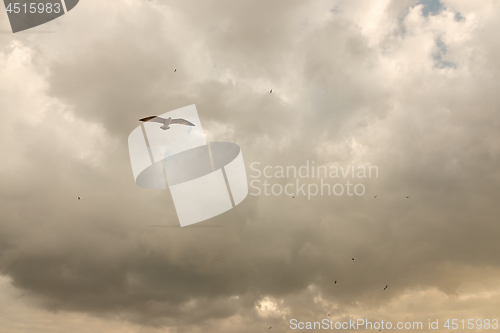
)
(410, 87)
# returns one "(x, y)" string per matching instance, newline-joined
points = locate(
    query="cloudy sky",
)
(410, 87)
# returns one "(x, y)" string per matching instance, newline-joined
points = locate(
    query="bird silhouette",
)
(175, 70)
(269, 328)
(78, 198)
(375, 196)
(335, 281)
(386, 287)
(407, 197)
(352, 258)
(167, 122)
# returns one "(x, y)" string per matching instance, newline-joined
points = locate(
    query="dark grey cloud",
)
(348, 85)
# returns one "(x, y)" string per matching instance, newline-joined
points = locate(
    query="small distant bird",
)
(167, 122)
(335, 281)
(175, 70)
(386, 287)
(328, 315)
(293, 198)
(269, 328)
(375, 196)
(78, 198)
(407, 197)
(271, 91)
(352, 258)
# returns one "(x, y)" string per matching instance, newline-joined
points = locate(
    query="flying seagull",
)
(386, 286)
(166, 122)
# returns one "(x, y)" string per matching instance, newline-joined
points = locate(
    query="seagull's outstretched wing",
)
(154, 119)
(182, 122)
